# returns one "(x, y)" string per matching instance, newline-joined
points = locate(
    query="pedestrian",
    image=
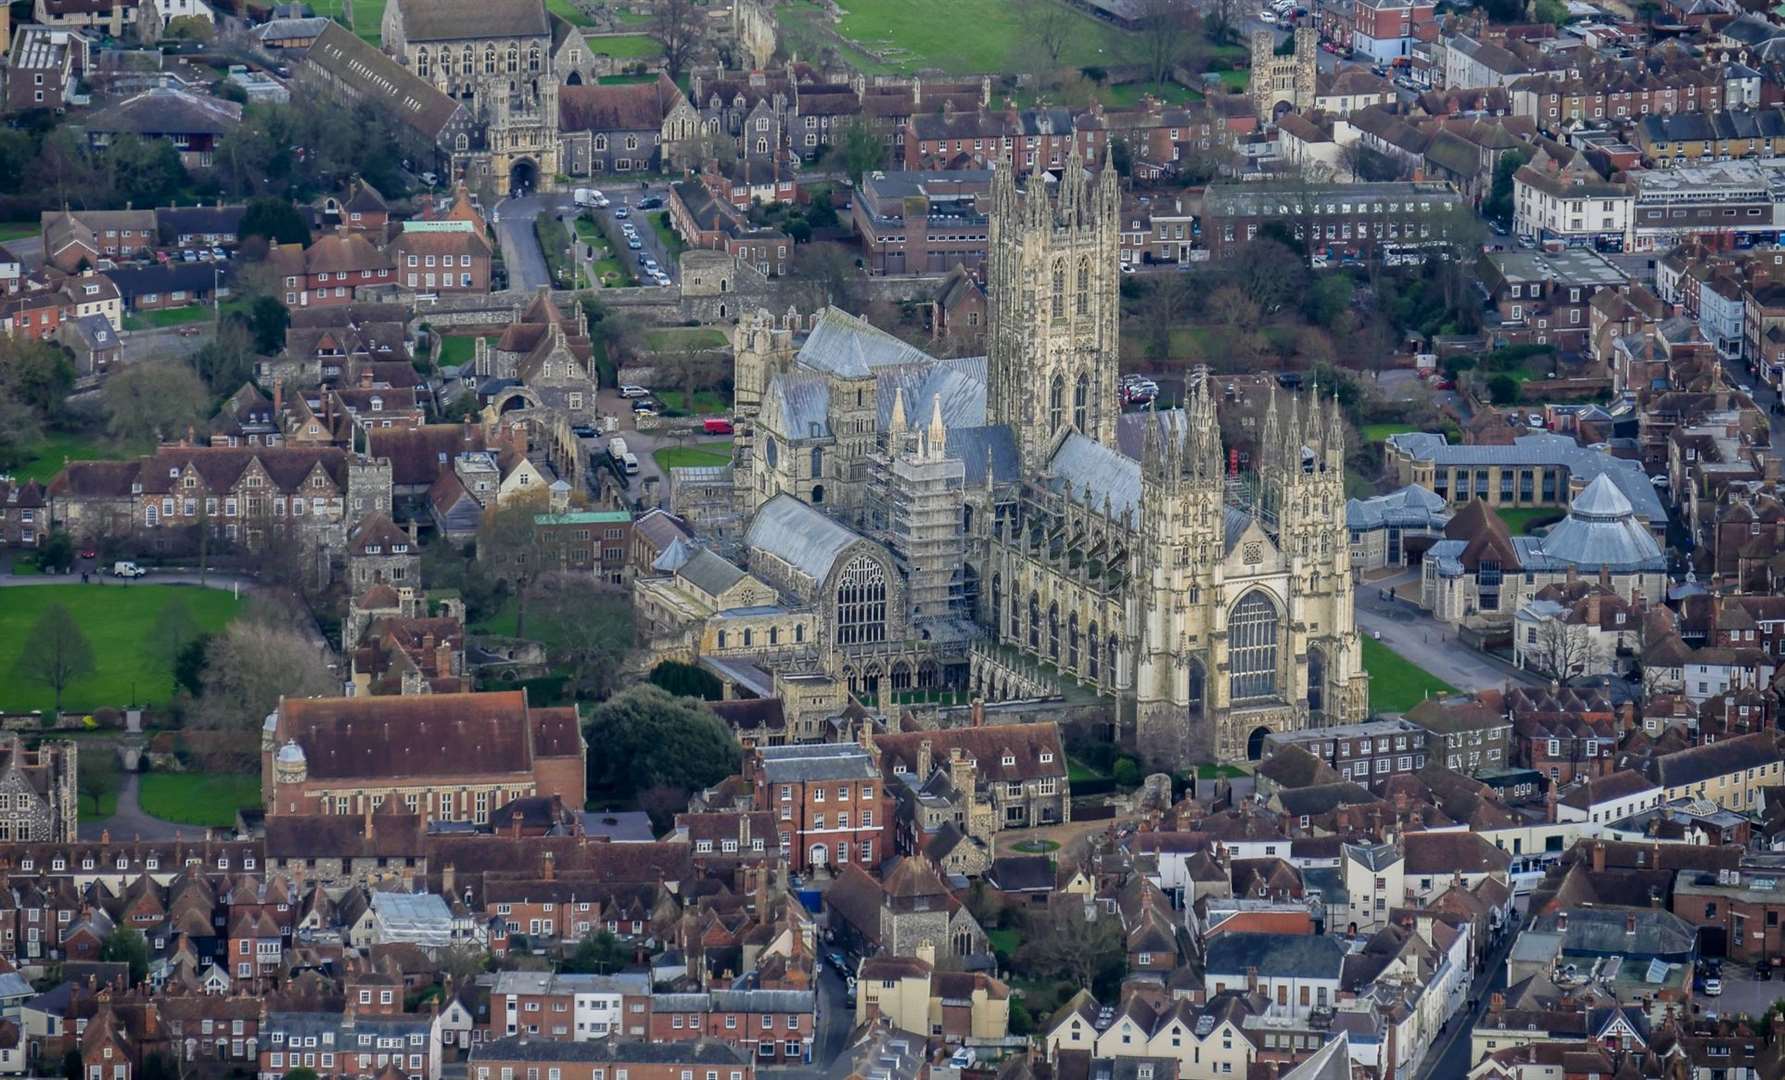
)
(83, 577)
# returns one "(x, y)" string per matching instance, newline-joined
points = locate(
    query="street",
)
(1425, 642)
(1449, 1056)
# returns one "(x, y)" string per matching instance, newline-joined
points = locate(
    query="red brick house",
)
(330, 269)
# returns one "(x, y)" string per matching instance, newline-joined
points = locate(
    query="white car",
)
(629, 391)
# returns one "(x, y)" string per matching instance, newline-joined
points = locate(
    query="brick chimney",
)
(1599, 858)
(549, 867)
(979, 712)
(1630, 923)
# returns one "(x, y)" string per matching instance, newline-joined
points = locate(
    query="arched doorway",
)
(575, 78)
(1255, 743)
(821, 856)
(1316, 681)
(523, 177)
(1196, 687)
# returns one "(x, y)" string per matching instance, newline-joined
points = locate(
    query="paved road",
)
(1449, 1055)
(520, 247)
(130, 822)
(1401, 626)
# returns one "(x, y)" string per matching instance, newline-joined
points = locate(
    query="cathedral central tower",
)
(1053, 307)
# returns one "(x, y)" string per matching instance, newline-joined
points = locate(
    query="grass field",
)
(502, 623)
(1396, 683)
(456, 349)
(95, 810)
(17, 230)
(625, 80)
(120, 624)
(1375, 433)
(207, 799)
(165, 317)
(626, 46)
(672, 244)
(572, 14)
(1004, 942)
(1521, 520)
(685, 337)
(957, 36)
(701, 454)
(706, 402)
(47, 457)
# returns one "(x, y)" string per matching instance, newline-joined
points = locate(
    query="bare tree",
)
(1050, 26)
(831, 275)
(1565, 650)
(680, 27)
(159, 399)
(1064, 943)
(248, 668)
(512, 547)
(56, 653)
(1221, 19)
(1162, 31)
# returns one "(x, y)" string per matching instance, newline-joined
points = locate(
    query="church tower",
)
(1052, 306)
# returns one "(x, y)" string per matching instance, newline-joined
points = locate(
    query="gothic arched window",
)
(1056, 403)
(1053, 632)
(998, 603)
(817, 462)
(1091, 648)
(467, 62)
(1016, 615)
(1083, 300)
(489, 60)
(1196, 682)
(533, 58)
(1059, 302)
(1081, 402)
(1034, 621)
(861, 602)
(1252, 648)
(1316, 681)
(421, 62)
(1072, 641)
(514, 59)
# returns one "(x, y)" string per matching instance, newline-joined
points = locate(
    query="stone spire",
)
(1335, 439)
(896, 426)
(1149, 445)
(1003, 189)
(938, 435)
(1073, 187)
(1270, 444)
(1109, 196)
(1292, 437)
(1314, 432)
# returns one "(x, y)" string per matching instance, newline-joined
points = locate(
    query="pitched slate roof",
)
(793, 532)
(622, 107)
(451, 20)
(1276, 955)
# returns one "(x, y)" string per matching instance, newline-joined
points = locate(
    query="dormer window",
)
(1047, 757)
(1008, 760)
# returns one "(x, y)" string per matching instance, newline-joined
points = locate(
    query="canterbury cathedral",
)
(999, 524)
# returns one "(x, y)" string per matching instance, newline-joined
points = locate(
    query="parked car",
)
(621, 212)
(125, 569)
(714, 425)
(583, 431)
(89, 553)
(1713, 985)
(627, 390)
(222, 256)
(650, 202)
(650, 265)
(644, 407)
(632, 244)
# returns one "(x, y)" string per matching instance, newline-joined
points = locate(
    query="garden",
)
(1396, 683)
(210, 800)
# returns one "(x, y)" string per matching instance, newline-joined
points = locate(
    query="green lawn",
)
(1218, 772)
(1005, 941)
(1237, 81)
(1396, 684)
(572, 14)
(961, 36)
(614, 274)
(120, 624)
(1521, 520)
(1375, 433)
(685, 337)
(207, 799)
(587, 232)
(98, 811)
(47, 457)
(672, 244)
(162, 318)
(626, 46)
(706, 402)
(18, 230)
(1077, 772)
(626, 80)
(502, 623)
(456, 349)
(699, 454)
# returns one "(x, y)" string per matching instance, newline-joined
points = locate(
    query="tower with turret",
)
(1052, 305)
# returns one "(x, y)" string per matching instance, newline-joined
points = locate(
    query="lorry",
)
(624, 458)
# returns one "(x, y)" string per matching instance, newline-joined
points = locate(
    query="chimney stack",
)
(1599, 857)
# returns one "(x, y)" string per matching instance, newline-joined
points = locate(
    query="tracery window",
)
(861, 602)
(1252, 648)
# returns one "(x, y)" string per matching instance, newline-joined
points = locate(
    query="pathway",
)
(520, 246)
(1422, 640)
(1006, 840)
(131, 822)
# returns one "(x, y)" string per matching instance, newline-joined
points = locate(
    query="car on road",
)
(662, 279)
(1763, 972)
(1268, 18)
(1713, 985)
(125, 569)
(632, 244)
(89, 553)
(650, 265)
(621, 212)
(838, 961)
(627, 390)
(583, 431)
(650, 202)
(222, 256)
(189, 331)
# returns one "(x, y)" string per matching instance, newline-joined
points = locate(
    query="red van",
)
(716, 426)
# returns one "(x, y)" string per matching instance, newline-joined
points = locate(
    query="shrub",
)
(1503, 390)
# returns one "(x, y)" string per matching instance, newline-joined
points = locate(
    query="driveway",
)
(1421, 639)
(140, 345)
(520, 247)
(130, 823)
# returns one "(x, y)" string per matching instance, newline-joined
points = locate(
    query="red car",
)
(89, 553)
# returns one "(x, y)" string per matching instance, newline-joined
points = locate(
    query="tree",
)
(1271, 274)
(158, 399)
(1050, 26)
(144, 172)
(679, 26)
(1365, 163)
(1221, 20)
(1565, 650)
(587, 630)
(56, 553)
(227, 360)
(1503, 389)
(189, 665)
(97, 776)
(463, 963)
(1329, 300)
(856, 149)
(598, 954)
(176, 630)
(19, 429)
(1498, 206)
(126, 945)
(1062, 943)
(512, 548)
(1161, 32)
(267, 321)
(650, 739)
(72, 1066)
(38, 373)
(56, 653)
(301, 1074)
(275, 219)
(247, 669)
(687, 680)
(1550, 11)
(831, 274)
(1163, 307)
